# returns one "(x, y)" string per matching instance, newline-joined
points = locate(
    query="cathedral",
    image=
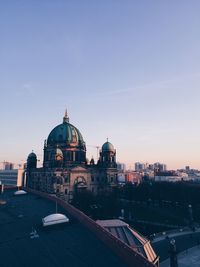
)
(65, 168)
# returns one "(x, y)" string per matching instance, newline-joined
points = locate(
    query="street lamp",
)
(190, 214)
(173, 254)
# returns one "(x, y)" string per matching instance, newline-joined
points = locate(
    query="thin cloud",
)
(152, 85)
(26, 89)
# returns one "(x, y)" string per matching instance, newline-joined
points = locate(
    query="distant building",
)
(12, 177)
(132, 177)
(8, 165)
(189, 175)
(121, 166)
(187, 168)
(160, 167)
(139, 166)
(151, 167)
(121, 177)
(168, 176)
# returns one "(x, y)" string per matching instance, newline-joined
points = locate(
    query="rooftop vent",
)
(20, 192)
(54, 218)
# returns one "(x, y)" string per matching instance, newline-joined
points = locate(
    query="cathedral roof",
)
(32, 155)
(107, 146)
(65, 133)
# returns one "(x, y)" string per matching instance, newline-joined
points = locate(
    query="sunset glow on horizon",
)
(128, 71)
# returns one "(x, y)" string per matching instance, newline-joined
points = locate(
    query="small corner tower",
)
(32, 161)
(108, 156)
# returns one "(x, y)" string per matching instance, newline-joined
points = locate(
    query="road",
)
(183, 242)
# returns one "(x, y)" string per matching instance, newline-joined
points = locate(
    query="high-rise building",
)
(146, 166)
(139, 166)
(8, 165)
(187, 168)
(121, 166)
(13, 177)
(160, 167)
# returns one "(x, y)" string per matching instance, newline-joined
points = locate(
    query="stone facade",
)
(65, 168)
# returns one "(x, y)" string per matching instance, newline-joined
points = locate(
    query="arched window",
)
(59, 180)
(67, 178)
(80, 182)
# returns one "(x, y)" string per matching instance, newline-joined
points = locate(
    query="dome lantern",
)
(108, 155)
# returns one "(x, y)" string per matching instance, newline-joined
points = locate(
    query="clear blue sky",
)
(126, 70)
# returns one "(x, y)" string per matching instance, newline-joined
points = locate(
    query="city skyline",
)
(129, 72)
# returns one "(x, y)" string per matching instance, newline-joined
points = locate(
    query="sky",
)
(125, 70)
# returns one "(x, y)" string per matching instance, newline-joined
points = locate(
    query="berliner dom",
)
(65, 168)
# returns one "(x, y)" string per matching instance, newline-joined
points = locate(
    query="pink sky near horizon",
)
(125, 70)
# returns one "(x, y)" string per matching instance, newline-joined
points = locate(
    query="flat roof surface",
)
(25, 242)
(187, 258)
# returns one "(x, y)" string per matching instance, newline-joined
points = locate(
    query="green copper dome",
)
(32, 160)
(32, 155)
(65, 133)
(107, 147)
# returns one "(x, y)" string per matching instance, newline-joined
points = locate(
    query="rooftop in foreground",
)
(24, 242)
(132, 238)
